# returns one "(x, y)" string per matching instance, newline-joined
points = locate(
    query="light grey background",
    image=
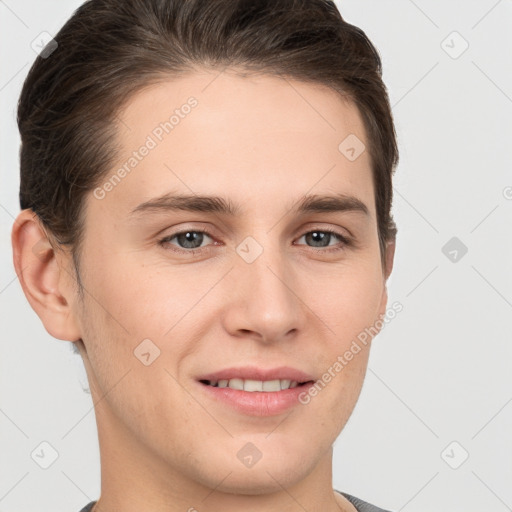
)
(439, 373)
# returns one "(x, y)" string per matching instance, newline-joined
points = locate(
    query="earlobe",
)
(44, 277)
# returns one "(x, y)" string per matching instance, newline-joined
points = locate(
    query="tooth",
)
(236, 384)
(271, 385)
(285, 384)
(253, 385)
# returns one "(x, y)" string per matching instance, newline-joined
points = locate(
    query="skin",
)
(262, 142)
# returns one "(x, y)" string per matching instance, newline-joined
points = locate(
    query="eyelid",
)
(335, 230)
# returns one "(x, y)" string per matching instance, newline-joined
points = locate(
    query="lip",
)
(257, 403)
(255, 373)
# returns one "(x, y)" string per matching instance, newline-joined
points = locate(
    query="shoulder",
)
(361, 506)
(88, 507)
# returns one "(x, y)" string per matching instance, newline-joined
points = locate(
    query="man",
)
(206, 195)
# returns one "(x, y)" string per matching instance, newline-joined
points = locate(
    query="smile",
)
(254, 385)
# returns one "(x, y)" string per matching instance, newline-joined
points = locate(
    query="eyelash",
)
(345, 241)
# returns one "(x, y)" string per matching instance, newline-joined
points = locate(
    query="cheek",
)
(140, 301)
(348, 304)
(349, 300)
(134, 372)
(139, 320)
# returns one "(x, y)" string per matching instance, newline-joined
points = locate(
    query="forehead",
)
(248, 137)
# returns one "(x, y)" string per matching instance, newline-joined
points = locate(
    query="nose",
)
(265, 302)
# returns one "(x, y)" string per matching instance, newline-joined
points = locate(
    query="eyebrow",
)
(220, 205)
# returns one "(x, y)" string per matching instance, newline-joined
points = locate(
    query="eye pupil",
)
(190, 237)
(319, 236)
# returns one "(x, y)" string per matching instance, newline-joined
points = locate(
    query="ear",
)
(46, 276)
(388, 267)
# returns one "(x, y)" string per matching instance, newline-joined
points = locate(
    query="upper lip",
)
(255, 373)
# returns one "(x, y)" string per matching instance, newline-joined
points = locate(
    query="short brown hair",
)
(110, 49)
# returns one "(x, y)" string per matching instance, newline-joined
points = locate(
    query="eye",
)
(187, 241)
(322, 237)
(191, 241)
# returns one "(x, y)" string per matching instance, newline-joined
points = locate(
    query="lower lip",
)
(258, 403)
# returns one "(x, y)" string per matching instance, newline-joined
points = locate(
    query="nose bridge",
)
(262, 259)
(265, 287)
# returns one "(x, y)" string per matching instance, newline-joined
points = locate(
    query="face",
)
(259, 284)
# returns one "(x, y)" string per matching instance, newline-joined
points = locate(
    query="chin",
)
(277, 468)
(258, 481)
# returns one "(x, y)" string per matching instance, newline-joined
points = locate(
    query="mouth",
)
(254, 391)
(251, 385)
